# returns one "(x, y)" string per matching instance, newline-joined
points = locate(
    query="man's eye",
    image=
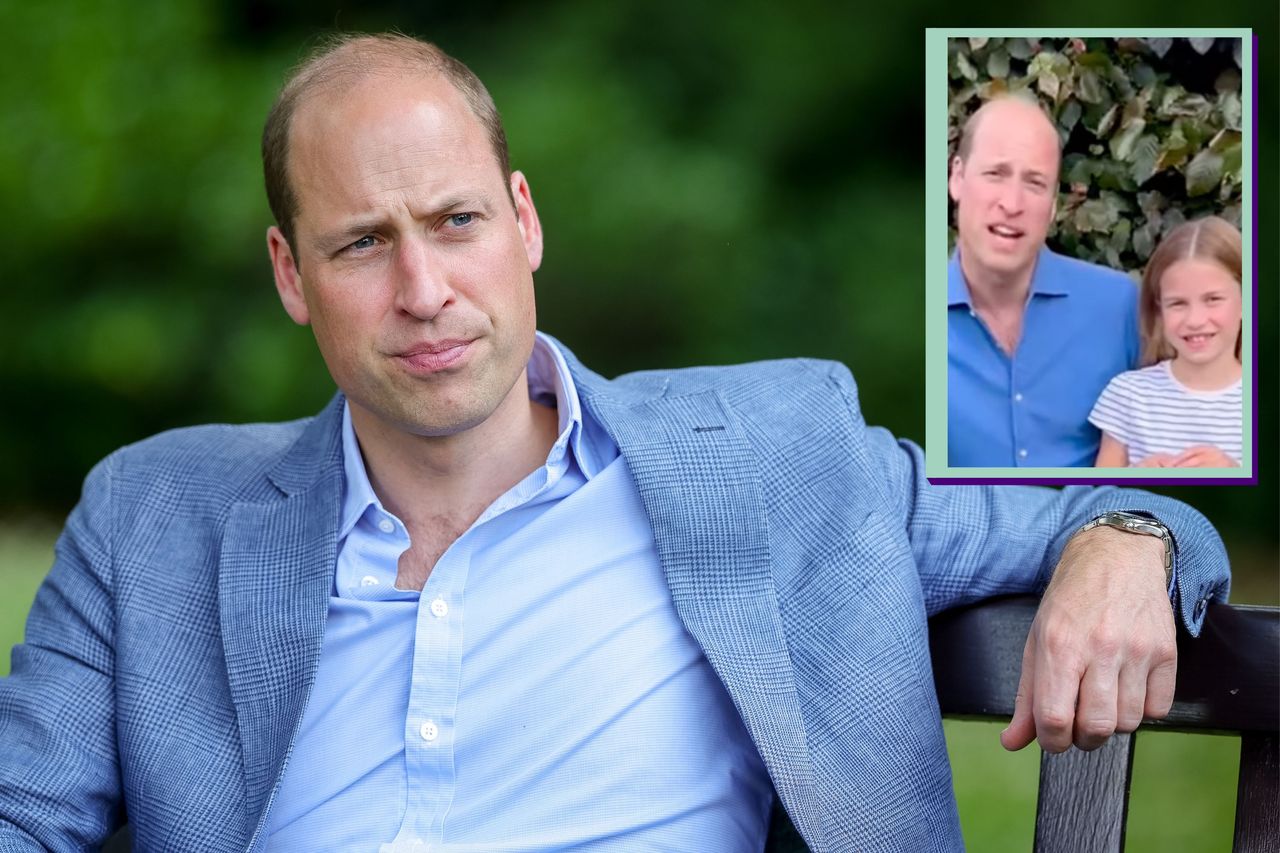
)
(461, 220)
(365, 242)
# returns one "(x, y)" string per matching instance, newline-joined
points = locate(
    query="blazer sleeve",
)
(975, 542)
(59, 772)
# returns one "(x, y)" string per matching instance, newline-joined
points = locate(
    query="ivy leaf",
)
(1227, 143)
(1122, 143)
(1201, 45)
(1078, 169)
(998, 64)
(1235, 52)
(1227, 81)
(1229, 106)
(1143, 157)
(965, 67)
(1070, 116)
(1204, 172)
(1048, 83)
(1094, 215)
(1020, 48)
(1144, 239)
(991, 89)
(1160, 46)
(1174, 151)
(1143, 75)
(1173, 217)
(1088, 86)
(1106, 122)
(978, 43)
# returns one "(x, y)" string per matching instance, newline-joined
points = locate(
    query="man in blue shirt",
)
(490, 601)
(1032, 337)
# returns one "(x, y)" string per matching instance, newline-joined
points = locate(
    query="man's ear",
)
(954, 178)
(527, 219)
(288, 281)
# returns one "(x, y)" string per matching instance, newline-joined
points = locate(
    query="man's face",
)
(1005, 191)
(409, 261)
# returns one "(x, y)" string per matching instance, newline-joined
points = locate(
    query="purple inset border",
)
(1252, 479)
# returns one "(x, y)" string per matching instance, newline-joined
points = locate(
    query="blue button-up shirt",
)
(540, 693)
(1080, 329)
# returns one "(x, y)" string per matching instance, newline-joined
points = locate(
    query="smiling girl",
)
(1182, 410)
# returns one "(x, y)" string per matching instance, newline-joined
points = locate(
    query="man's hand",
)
(1102, 650)
(1204, 456)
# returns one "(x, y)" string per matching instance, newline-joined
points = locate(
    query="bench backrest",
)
(1228, 682)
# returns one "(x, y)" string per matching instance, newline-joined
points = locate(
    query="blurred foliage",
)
(1150, 129)
(715, 185)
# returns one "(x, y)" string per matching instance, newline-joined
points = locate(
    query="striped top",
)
(1150, 411)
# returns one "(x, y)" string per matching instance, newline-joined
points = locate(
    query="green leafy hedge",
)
(1151, 131)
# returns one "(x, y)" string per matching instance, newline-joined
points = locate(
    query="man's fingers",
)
(1022, 728)
(1131, 697)
(1096, 710)
(1057, 684)
(1160, 684)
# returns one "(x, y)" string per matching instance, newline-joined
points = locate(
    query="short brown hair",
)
(348, 57)
(1209, 239)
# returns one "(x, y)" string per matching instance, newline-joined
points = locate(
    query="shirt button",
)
(368, 580)
(439, 608)
(429, 731)
(1017, 398)
(1022, 453)
(386, 525)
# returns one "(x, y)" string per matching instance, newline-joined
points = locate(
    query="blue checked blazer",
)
(170, 652)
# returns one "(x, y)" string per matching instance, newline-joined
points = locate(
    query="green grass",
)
(1183, 795)
(26, 552)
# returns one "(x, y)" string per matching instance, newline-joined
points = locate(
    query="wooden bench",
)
(1228, 683)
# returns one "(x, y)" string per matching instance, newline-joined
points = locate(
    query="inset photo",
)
(1089, 274)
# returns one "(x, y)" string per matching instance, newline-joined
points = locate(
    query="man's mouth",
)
(429, 357)
(1007, 232)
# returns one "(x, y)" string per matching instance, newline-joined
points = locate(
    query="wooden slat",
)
(1258, 795)
(1084, 798)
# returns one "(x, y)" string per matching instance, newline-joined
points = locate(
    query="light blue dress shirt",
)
(1079, 330)
(540, 693)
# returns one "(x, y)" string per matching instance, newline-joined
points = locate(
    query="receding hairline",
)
(343, 61)
(1027, 105)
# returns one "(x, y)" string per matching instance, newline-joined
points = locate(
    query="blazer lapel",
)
(700, 482)
(275, 576)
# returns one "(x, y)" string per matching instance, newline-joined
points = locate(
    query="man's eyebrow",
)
(336, 239)
(333, 240)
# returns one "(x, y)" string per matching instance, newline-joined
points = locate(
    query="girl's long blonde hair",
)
(1209, 239)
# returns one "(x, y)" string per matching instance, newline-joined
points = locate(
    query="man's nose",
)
(1011, 197)
(422, 283)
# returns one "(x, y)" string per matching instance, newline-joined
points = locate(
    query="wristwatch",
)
(1134, 523)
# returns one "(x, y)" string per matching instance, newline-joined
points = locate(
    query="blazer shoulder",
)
(212, 459)
(730, 380)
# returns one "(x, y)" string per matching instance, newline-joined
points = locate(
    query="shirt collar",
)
(1046, 279)
(549, 378)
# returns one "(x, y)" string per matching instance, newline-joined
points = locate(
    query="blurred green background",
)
(716, 184)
